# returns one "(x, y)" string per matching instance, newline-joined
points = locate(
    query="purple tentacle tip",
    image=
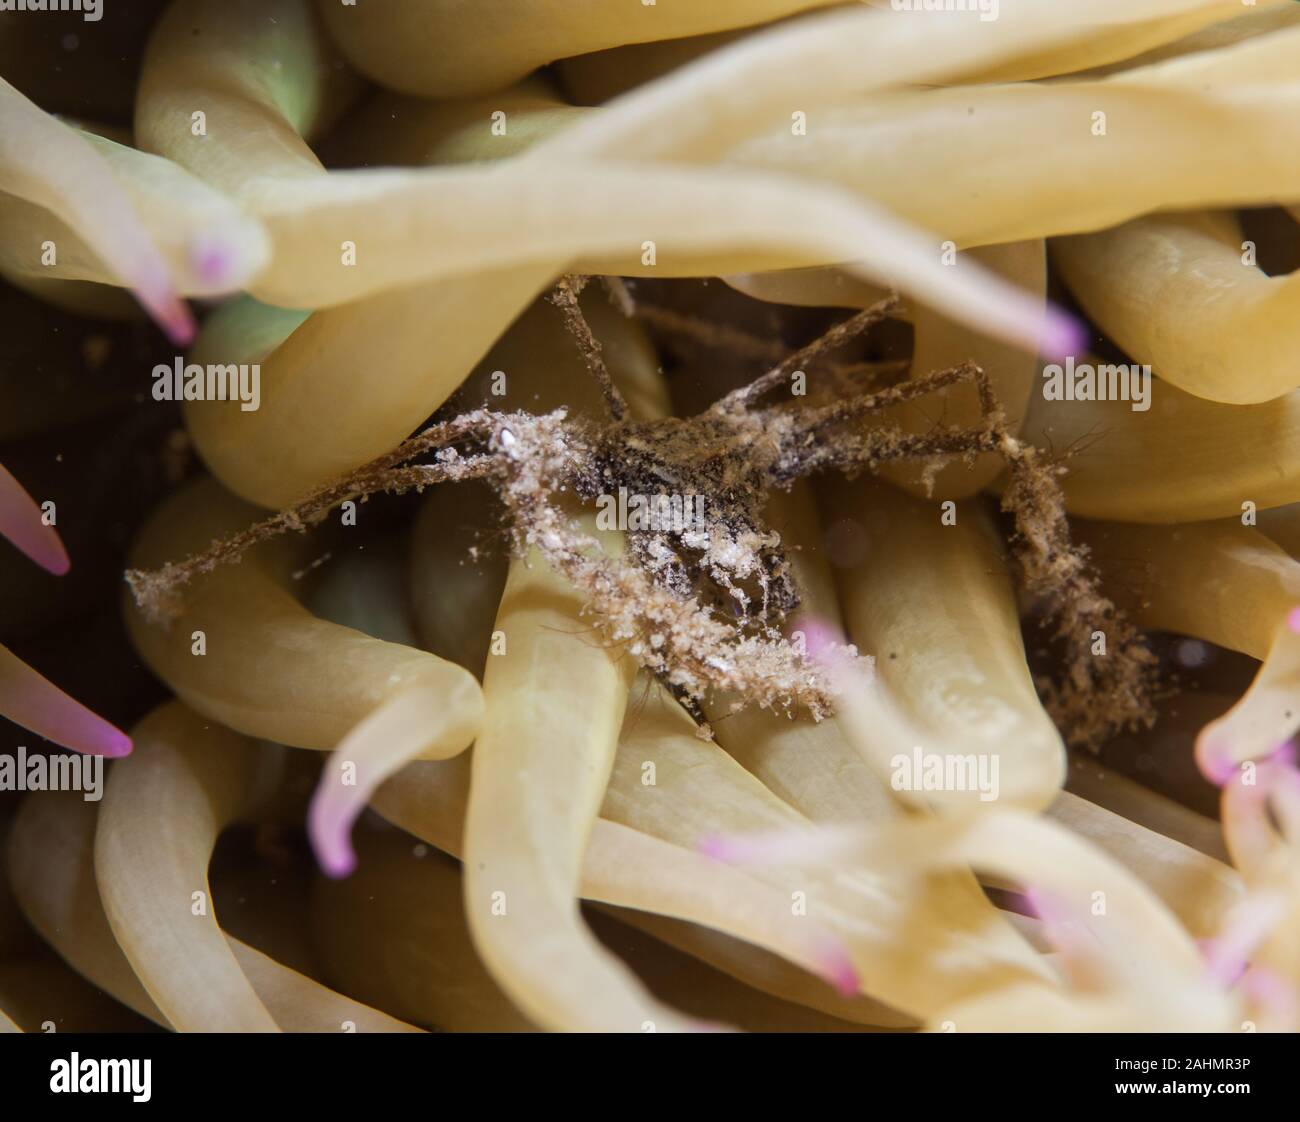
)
(329, 829)
(211, 261)
(22, 523)
(1215, 759)
(1063, 334)
(718, 847)
(839, 971)
(33, 701)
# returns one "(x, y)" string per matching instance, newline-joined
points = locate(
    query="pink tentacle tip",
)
(71, 725)
(1062, 334)
(158, 296)
(329, 830)
(212, 261)
(719, 847)
(57, 563)
(114, 744)
(1061, 925)
(1283, 754)
(837, 968)
(179, 324)
(1249, 925)
(1215, 758)
(822, 640)
(31, 700)
(1293, 620)
(1224, 965)
(1060, 930)
(1034, 902)
(22, 523)
(46, 549)
(826, 648)
(336, 863)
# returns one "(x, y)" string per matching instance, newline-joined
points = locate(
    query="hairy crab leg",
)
(1228, 584)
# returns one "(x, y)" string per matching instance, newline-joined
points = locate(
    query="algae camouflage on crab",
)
(768, 514)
